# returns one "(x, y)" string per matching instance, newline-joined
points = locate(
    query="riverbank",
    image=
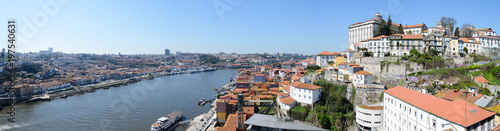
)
(5, 101)
(207, 121)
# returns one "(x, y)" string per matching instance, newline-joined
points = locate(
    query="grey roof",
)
(483, 102)
(271, 122)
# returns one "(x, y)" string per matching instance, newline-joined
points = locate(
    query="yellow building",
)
(339, 60)
(453, 48)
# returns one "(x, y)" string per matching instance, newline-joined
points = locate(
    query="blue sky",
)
(250, 26)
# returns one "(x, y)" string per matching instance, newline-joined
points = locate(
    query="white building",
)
(414, 29)
(362, 77)
(364, 30)
(379, 45)
(369, 117)
(285, 101)
(305, 93)
(324, 57)
(472, 45)
(409, 110)
(487, 37)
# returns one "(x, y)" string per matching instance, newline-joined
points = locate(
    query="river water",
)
(133, 107)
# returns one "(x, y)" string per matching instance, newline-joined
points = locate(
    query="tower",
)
(51, 50)
(378, 16)
(167, 52)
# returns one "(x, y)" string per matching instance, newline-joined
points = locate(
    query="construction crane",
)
(245, 103)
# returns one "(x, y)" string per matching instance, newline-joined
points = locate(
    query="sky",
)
(211, 26)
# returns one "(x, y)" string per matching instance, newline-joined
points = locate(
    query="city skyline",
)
(107, 27)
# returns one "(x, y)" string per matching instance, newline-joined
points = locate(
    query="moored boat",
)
(166, 122)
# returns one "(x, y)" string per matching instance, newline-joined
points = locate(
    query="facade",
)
(364, 30)
(369, 117)
(472, 45)
(305, 93)
(414, 29)
(362, 77)
(379, 45)
(285, 101)
(401, 44)
(487, 37)
(324, 57)
(406, 109)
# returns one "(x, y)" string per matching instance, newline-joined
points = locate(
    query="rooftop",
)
(305, 86)
(271, 122)
(462, 113)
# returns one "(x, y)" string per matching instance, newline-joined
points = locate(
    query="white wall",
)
(369, 118)
(401, 116)
(305, 95)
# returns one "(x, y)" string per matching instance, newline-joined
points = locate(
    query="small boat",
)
(166, 122)
(64, 96)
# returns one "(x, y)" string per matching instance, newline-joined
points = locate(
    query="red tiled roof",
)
(376, 38)
(287, 100)
(363, 73)
(328, 53)
(413, 26)
(457, 111)
(410, 36)
(357, 44)
(305, 86)
(481, 79)
(468, 40)
(286, 88)
(372, 107)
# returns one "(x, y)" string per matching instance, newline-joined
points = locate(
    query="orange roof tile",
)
(287, 100)
(372, 107)
(413, 26)
(363, 73)
(481, 79)
(376, 38)
(462, 113)
(410, 36)
(468, 40)
(305, 86)
(286, 88)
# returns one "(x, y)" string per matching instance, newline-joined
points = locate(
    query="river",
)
(133, 107)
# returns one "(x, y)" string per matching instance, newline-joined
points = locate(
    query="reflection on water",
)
(132, 107)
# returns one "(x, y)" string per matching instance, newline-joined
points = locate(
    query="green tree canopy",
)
(400, 29)
(457, 32)
(381, 29)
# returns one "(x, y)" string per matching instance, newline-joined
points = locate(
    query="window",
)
(434, 123)
(309, 97)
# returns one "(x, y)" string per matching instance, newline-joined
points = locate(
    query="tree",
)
(381, 29)
(414, 52)
(448, 23)
(388, 28)
(466, 31)
(457, 32)
(466, 50)
(409, 32)
(400, 29)
(496, 72)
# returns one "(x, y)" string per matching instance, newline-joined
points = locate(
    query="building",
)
(487, 37)
(178, 53)
(3, 51)
(401, 44)
(397, 44)
(406, 109)
(364, 30)
(51, 50)
(167, 52)
(285, 102)
(362, 77)
(305, 93)
(472, 45)
(414, 29)
(324, 57)
(369, 117)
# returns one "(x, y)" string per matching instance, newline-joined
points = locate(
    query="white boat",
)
(164, 123)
